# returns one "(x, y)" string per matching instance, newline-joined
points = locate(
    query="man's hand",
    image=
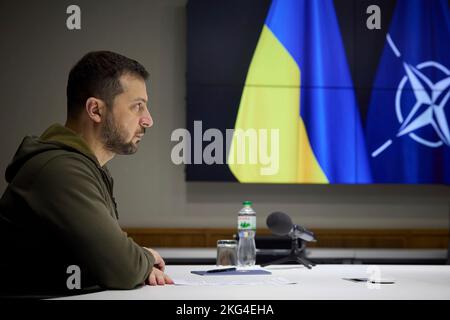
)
(157, 277)
(159, 262)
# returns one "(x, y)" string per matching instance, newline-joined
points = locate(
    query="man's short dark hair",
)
(97, 75)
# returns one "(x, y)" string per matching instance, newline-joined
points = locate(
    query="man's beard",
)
(113, 137)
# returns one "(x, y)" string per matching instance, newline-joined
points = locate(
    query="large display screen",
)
(317, 91)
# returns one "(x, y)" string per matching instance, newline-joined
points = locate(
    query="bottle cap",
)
(247, 203)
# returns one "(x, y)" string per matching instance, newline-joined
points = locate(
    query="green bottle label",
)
(247, 222)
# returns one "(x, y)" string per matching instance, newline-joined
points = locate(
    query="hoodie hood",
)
(54, 138)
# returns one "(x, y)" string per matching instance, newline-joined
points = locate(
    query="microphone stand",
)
(297, 254)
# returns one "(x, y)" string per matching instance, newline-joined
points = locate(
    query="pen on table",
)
(221, 270)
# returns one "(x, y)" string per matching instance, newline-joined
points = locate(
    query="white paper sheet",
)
(228, 281)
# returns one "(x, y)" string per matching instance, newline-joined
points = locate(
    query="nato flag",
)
(407, 130)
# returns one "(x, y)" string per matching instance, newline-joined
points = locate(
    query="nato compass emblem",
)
(428, 110)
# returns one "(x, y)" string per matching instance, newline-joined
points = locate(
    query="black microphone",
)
(281, 224)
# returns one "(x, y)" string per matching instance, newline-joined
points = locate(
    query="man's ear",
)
(95, 109)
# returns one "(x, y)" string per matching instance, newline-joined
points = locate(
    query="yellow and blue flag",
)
(299, 83)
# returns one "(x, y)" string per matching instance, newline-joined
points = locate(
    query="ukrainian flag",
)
(299, 83)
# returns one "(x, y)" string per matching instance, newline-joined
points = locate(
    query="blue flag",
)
(407, 131)
(328, 104)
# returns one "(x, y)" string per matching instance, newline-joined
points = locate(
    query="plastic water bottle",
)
(246, 252)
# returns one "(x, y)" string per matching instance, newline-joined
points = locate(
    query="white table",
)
(323, 282)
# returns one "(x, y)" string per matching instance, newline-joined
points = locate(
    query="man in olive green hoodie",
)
(58, 213)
